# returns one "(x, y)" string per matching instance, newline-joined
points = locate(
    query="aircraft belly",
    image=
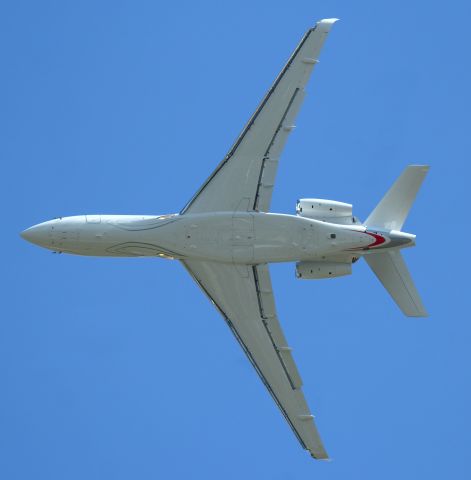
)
(232, 237)
(243, 238)
(279, 238)
(249, 237)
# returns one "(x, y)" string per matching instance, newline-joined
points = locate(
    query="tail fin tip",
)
(393, 273)
(393, 209)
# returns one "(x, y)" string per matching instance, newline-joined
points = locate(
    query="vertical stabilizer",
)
(391, 212)
(392, 272)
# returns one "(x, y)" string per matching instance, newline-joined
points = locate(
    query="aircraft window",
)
(332, 235)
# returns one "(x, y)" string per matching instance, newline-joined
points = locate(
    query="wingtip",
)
(420, 167)
(319, 453)
(322, 457)
(421, 314)
(326, 23)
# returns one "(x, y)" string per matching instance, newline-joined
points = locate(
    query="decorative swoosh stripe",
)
(379, 239)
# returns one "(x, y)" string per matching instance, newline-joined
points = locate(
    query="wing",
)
(244, 297)
(244, 180)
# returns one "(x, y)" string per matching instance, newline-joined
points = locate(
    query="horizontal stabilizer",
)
(391, 212)
(392, 272)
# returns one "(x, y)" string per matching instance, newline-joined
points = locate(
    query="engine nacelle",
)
(325, 210)
(315, 270)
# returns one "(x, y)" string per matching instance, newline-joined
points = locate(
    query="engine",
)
(326, 210)
(315, 270)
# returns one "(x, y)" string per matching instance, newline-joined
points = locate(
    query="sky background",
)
(121, 368)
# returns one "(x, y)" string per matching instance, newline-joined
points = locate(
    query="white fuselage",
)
(241, 237)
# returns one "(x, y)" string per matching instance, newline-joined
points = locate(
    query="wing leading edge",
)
(244, 297)
(248, 170)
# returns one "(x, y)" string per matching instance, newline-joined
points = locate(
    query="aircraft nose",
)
(38, 234)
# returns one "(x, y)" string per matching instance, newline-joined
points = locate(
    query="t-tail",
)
(389, 266)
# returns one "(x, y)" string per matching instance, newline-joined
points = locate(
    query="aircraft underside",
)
(245, 238)
(225, 238)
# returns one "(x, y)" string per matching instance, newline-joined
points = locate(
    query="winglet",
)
(326, 24)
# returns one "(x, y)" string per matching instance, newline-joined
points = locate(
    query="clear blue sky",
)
(120, 368)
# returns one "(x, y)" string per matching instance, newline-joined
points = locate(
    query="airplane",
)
(226, 236)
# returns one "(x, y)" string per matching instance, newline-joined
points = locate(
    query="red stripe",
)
(378, 239)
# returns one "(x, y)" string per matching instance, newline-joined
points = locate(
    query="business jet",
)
(226, 236)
